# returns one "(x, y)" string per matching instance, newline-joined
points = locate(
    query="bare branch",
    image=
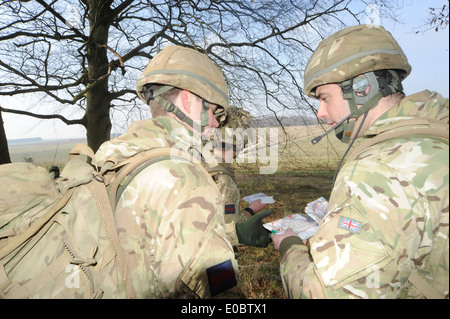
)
(39, 88)
(59, 17)
(262, 47)
(81, 121)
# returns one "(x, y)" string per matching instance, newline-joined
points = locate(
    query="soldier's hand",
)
(277, 239)
(252, 232)
(256, 206)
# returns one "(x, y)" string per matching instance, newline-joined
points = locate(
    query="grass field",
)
(304, 173)
(259, 267)
(44, 152)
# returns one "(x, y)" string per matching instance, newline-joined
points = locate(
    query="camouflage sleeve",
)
(297, 273)
(343, 255)
(231, 196)
(380, 224)
(172, 230)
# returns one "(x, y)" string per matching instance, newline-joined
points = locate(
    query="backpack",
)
(58, 237)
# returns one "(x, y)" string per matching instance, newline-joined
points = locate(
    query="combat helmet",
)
(349, 58)
(233, 130)
(188, 69)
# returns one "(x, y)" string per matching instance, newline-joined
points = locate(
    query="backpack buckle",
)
(98, 177)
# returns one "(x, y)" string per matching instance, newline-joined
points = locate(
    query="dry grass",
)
(44, 152)
(259, 267)
(305, 173)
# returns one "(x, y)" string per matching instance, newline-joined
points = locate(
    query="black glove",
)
(252, 232)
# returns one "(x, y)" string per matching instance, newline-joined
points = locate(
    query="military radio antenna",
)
(57, 145)
(54, 169)
(56, 152)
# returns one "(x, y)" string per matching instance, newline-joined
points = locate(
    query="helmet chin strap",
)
(344, 128)
(348, 148)
(344, 132)
(172, 108)
(355, 92)
(362, 90)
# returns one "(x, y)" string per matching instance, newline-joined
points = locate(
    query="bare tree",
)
(87, 54)
(439, 17)
(4, 154)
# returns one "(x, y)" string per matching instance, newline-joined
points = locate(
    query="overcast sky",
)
(427, 52)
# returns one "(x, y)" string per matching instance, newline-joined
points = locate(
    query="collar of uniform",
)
(144, 135)
(411, 106)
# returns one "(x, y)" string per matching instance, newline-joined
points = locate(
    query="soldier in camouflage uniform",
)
(223, 174)
(170, 216)
(385, 234)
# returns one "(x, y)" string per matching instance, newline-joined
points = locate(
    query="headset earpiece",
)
(360, 85)
(365, 86)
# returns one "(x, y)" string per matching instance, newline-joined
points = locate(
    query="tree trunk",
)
(4, 150)
(98, 102)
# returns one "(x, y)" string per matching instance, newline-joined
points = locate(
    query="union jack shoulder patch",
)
(349, 224)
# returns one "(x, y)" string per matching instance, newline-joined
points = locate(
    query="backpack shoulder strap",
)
(131, 167)
(100, 194)
(18, 240)
(423, 286)
(429, 128)
(125, 181)
(217, 169)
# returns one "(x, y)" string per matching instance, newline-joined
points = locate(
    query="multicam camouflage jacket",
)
(223, 175)
(170, 219)
(387, 220)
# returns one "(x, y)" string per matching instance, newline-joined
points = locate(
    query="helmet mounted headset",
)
(367, 63)
(365, 90)
(352, 58)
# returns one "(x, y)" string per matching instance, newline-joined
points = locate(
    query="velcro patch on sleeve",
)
(349, 224)
(221, 277)
(230, 209)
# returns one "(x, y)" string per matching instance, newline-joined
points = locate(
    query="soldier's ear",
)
(186, 101)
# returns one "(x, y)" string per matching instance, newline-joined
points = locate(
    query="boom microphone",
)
(318, 138)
